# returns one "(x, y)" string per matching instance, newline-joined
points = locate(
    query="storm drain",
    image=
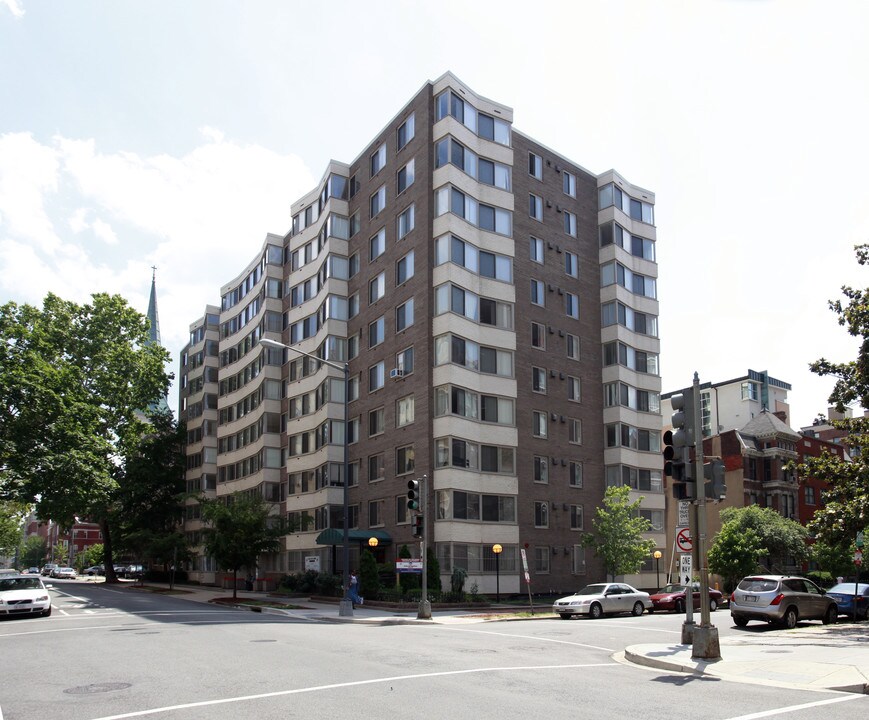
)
(96, 688)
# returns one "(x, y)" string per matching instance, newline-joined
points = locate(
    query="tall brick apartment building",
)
(497, 305)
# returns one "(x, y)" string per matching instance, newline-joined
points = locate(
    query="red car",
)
(672, 599)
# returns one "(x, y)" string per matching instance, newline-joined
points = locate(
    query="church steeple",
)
(161, 405)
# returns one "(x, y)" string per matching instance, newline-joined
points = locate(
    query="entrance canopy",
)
(334, 536)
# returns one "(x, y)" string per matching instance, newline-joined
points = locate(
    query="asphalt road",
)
(117, 653)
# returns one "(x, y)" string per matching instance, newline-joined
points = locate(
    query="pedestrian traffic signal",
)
(714, 487)
(413, 495)
(677, 446)
(416, 524)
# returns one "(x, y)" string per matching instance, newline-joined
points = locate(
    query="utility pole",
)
(424, 611)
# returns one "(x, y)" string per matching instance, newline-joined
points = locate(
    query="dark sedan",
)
(844, 594)
(671, 598)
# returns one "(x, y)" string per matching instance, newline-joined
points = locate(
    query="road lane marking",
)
(353, 683)
(534, 637)
(797, 708)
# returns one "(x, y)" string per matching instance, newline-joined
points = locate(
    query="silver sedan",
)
(601, 598)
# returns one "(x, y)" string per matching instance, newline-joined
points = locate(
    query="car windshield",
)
(756, 584)
(848, 588)
(19, 583)
(672, 588)
(592, 590)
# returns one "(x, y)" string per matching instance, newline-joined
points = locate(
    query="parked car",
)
(47, 568)
(671, 598)
(844, 596)
(133, 571)
(120, 570)
(601, 598)
(95, 570)
(64, 572)
(33, 571)
(780, 599)
(24, 595)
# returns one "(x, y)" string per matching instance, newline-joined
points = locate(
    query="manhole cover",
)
(96, 688)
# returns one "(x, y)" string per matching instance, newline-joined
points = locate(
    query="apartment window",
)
(353, 393)
(541, 469)
(375, 377)
(405, 177)
(574, 427)
(569, 184)
(353, 265)
(406, 131)
(578, 560)
(352, 431)
(655, 518)
(541, 559)
(571, 264)
(536, 250)
(376, 288)
(570, 223)
(377, 201)
(535, 207)
(355, 224)
(571, 305)
(576, 517)
(376, 467)
(404, 460)
(404, 411)
(375, 513)
(539, 425)
(404, 316)
(575, 474)
(541, 514)
(538, 292)
(538, 336)
(405, 222)
(749, 391)
(377, 245)
(572, 344)
(404, 361)
(378, 160)
(449, 248)
(573, 389)
(376, 332)
(538, 379)
(809, 494)
(535, 166)
(400, 509)
(375, 422)
(404, 269)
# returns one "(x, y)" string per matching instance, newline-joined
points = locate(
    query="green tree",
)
(369, 580)
(846, 500)
(11, 518)
(93, 555)
(734, 553)
(837, 560)
(432, 573)
(74, 380)
(240, 529)
(781, 539)
(32, 552)
(618, 533)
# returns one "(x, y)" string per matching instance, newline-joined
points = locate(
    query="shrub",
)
(457, 581)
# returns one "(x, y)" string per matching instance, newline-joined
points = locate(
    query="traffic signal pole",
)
(705, 636)
(424, 610)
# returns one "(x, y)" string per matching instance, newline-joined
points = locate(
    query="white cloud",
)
(15, 7)
(104, 232)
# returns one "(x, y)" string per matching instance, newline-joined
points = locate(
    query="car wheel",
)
(831, 615)
(740, 621)
(46, 613)
(679, 607)
(637, 609)
(595, 611)
(713, 604)
(790, 618)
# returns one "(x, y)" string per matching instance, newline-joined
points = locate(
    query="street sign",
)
(684, 543)
(686, 570)
(683, 513)
(312, 562)
(859, 542)
(525, 566)
(411, 565)
(858, 557)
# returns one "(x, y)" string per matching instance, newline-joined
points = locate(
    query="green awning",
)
(334, 536)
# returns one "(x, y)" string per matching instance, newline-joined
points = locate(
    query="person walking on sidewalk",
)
(353, 592)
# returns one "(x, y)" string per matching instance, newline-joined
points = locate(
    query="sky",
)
(176, 135)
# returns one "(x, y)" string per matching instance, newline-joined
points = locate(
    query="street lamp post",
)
(346, 605)
(496, 548)
(657, 556)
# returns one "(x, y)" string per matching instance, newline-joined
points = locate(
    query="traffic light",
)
(416, 523)
(714, 486)
(677, 444)
(413, 495)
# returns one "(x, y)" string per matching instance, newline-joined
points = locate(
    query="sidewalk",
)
(812, 656)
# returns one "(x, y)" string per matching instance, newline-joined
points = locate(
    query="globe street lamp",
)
(657, 556)
(496, 548)
(346, 606)
(372, 542)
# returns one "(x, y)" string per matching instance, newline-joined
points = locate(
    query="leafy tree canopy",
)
(780, 538)
(33, 551)
(734, 553)
(11, 518)
(618, 533)
(846, 501)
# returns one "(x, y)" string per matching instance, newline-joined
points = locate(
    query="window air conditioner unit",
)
(396, 373)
